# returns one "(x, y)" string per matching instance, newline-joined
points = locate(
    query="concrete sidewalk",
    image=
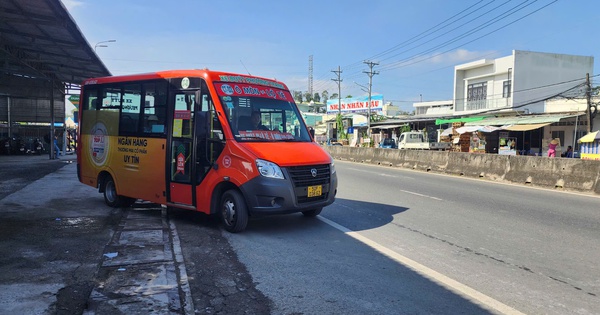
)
(142, 269)
(65, 252)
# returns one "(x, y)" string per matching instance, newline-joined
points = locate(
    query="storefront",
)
(590, 146)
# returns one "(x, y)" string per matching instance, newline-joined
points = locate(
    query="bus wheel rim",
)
(111, 191)
(228, 212)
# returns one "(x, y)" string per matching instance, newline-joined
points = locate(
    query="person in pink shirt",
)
(552, 148)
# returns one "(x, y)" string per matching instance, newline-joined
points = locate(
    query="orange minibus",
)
(220, 143)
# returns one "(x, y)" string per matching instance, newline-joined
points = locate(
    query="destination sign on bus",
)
(225, 89)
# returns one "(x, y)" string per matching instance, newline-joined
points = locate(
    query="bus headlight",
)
(268, 169)
(332, 168)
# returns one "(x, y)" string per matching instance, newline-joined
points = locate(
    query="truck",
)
(415, 140)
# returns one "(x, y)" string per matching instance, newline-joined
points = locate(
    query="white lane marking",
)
(421, 195)
(380, 174)
(445, 281)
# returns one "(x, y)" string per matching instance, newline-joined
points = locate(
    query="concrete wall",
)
(555, 173)
(533, 70)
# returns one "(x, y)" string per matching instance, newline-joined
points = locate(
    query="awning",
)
(464, 129)
(524, 127)
(387, 126)
(453, 120)
(520, 120)
(590, 137)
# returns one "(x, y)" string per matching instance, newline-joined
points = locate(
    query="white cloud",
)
(461, 56)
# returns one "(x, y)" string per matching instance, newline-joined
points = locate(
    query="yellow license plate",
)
(315, 191)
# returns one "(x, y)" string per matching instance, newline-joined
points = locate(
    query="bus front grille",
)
(311, 175)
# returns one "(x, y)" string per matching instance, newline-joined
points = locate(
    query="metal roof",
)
(39, 39)
(520, 120)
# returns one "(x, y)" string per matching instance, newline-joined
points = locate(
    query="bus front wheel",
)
(111, 198)
(234, 212)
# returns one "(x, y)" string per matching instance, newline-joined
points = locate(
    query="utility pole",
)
(338, 81)
(370, 73)
(310, 75)
(588, 96)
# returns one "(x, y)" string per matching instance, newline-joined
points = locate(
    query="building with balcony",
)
(519, 82)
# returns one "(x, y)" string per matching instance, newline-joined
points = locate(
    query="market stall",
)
(590, 146)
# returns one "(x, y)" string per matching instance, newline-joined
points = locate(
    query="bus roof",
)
(204, 73)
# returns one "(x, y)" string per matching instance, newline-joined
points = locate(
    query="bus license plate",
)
(315, 191)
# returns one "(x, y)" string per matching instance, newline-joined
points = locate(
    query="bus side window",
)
(90, 99)
(130, 109)
(155, 108)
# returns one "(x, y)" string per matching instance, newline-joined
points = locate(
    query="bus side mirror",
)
(202, 124)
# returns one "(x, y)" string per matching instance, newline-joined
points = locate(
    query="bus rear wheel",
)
(111, 198)
(312, 212)
(234, 212)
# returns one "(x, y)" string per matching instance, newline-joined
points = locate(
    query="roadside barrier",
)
(558, 173)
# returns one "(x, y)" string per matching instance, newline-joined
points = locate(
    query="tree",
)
(317, 98)
(325, 96)
(298, 96)
(340, 127)
(334, 96)
(349, 96)
(308, 97)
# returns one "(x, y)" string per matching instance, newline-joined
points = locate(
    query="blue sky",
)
(416, 43)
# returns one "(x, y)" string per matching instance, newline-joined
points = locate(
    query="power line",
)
(502, 16)
(478, 28)
(432, 30)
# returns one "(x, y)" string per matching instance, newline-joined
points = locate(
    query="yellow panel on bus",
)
(136, 163)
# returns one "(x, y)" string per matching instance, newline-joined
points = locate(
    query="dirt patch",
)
(219, 283)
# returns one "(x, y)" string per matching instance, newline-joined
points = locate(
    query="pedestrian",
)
(569, 152)
(552, 148)
(56, 148)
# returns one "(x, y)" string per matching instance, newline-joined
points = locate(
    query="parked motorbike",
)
(38, 146)
(20, 147)
(6, 144)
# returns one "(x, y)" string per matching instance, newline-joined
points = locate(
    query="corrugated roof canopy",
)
(39, 39)
(519, 120)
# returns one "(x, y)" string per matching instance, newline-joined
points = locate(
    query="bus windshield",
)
(262, 114)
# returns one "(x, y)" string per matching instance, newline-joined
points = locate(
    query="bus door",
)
(182, 167)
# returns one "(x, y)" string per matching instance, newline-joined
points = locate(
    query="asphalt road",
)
(394, 242)
(399, 241)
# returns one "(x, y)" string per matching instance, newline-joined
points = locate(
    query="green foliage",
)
(340, 127)
(325, 96)
(308, 97)
(298, 96)
(334, 96)
(317, 97)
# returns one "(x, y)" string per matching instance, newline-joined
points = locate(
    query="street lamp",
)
(105, 41)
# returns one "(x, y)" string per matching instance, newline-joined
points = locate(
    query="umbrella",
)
(590, 137)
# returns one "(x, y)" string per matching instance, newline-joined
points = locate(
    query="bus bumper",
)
(265, 196)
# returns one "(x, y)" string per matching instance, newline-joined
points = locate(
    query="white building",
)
(519, 82)
(518, 93)
(434, 108)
